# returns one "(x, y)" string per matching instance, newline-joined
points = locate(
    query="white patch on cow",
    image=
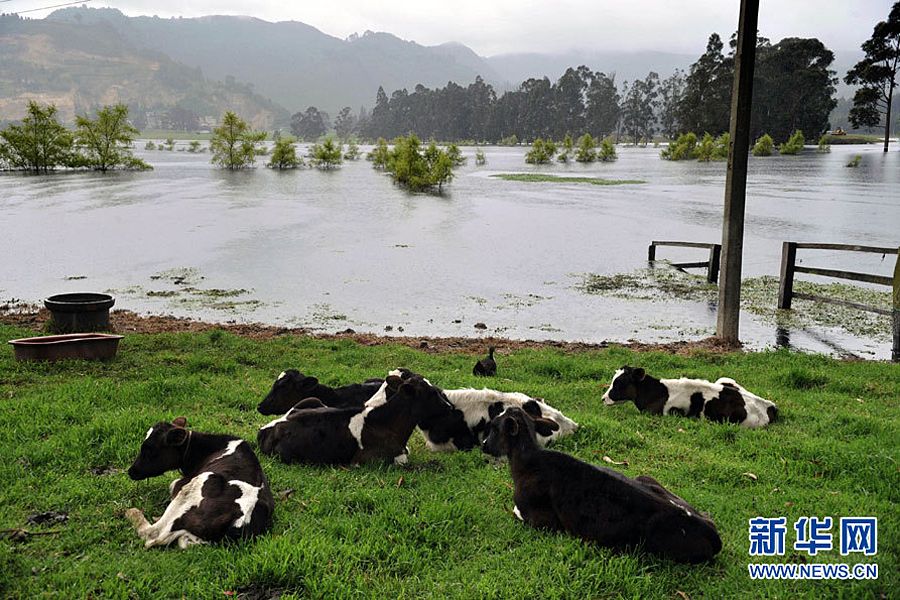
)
(401, 459)
(160, 533)
(283, 373)
(149, 433)
(246, 501)
(518, 513)
(172, 485)
(357, 421)
(676, 505)
(474, 405)
(230, 449)
(443, 447)
(606, 399)
(681, 390)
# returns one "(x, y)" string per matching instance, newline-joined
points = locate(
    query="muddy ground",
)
(124, 322)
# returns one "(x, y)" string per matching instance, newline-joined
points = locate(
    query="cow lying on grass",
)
(722, 401)
(314, 433)
(559, 492)
(223, 492)
(480, 406)
(292, 386)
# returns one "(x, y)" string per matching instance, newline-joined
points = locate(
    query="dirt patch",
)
(125, 322)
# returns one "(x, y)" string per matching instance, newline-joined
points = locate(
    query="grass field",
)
(441, 527)
(544, 178)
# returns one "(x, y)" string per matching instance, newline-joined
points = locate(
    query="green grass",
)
(544, 178)
(441, 527)
(853, 138)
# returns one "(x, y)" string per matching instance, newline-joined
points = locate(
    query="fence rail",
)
(789, 268)
(712, 264)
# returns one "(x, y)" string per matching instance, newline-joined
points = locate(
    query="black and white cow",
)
(478, 407)
(723, 400)
(559, 492)
(222, 494)
(292, 386)
(314, 433)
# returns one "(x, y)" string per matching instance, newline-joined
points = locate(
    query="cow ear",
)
(179, 422)
(639, 374)
(510, 427)
(176, 436)
(532, 409)
(310, 381)
(393, 381)
(545, 427)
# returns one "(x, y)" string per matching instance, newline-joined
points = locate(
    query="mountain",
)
(82, 66)
(293, 63)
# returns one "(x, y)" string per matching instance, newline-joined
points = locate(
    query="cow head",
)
(515, 429)
(290, 387)
(163, 450)
(623, 386)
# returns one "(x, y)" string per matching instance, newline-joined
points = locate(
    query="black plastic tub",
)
(79, 312)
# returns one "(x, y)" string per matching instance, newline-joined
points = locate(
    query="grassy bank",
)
(441, 527)
(544, 178)
(853, 138)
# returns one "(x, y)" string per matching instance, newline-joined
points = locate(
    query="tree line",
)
(40, 144)
(793, 89)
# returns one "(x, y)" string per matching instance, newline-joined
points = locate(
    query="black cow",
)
(314, 433)
(292, 386)
(559, 492)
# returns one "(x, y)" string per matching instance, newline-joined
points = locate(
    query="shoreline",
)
(125, 321)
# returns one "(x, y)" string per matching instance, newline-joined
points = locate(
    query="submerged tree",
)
(39, 144)
(877, 74)
(456, 156)
(416, 169)
(480, 158)
(380, 154)
(763, 146)
(607, 152)
(284, 155)
(233, 144)
(794, 144)
(541, 152)
(587, 149)
(327, 155)
(106, 140)
(352, 152)
(567, 146)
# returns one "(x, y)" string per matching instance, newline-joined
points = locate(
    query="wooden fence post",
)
(651, 252)
(786, 286)
(712, 271)
(895, 311)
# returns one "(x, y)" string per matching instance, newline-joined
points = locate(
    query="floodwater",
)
(348, 249)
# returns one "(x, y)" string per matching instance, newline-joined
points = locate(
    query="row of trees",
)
(40, 144)
(793, 89)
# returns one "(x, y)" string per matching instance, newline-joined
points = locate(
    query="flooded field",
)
(348, 249)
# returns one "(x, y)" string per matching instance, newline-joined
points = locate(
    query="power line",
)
(20, 12)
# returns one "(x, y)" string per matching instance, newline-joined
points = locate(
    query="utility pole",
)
(736, 176)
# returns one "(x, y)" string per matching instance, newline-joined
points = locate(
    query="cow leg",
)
(160, 533)
(141, 525)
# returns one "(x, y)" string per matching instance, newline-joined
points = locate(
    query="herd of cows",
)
(224, 494)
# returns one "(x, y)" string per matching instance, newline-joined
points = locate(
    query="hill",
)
(293, 63)
(82, 66)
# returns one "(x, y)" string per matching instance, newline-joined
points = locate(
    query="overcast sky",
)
(548, 26)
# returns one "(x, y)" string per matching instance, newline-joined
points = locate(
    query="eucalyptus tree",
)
(876, 73)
